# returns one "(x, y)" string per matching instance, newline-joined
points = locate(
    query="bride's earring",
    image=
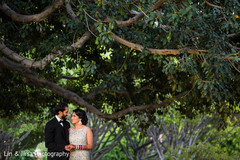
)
(80, 122)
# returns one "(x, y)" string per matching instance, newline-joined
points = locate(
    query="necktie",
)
(61, 122)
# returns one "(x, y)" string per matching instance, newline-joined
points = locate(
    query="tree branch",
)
(158, 4)
(137, 17)
(160, 51)
(18, 140)
(70, 11)
(30, 18)
(210, 4)
(67, 77)
(233, 35)
(41, 64)
(27, 73)
(150, 50)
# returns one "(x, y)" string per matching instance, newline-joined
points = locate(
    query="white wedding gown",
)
(78, 137)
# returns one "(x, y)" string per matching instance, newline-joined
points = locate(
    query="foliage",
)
(200, 152)
(115, 154)
(218, 148)
(24, 131)
(231, 144)
(174, 136)
(198, 60)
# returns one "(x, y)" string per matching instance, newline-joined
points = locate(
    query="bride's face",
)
(75, 119)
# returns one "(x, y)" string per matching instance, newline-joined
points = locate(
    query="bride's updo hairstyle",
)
(81, 114)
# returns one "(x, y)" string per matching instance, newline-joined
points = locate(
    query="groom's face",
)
(65, 113)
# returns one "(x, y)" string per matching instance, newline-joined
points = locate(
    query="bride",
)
(80, 136)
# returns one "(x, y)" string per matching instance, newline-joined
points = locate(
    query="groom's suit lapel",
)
(60, 128)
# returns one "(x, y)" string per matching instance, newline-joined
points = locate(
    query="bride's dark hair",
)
(81, 114)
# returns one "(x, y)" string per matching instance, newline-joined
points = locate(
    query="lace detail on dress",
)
(78, 137)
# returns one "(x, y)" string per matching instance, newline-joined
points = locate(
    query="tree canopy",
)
(117, 57)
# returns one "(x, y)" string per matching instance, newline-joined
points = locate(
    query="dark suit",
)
(56, 138)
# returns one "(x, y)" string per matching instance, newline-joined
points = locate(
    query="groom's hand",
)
(68, 147)
(73, 147)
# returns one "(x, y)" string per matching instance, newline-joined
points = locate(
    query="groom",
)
(56, 134)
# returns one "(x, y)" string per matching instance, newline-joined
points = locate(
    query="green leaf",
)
(97, 41)
(236, 58)
(205, 86)
(169, 37)
(121, 11)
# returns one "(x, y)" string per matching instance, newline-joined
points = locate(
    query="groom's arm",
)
(49, 139)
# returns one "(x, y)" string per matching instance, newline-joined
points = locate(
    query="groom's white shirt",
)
(58, 119)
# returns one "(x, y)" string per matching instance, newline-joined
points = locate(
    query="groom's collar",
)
(58, 119)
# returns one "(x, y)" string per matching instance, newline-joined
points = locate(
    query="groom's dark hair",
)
(60, 107)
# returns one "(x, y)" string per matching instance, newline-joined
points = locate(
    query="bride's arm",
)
(89, 140)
